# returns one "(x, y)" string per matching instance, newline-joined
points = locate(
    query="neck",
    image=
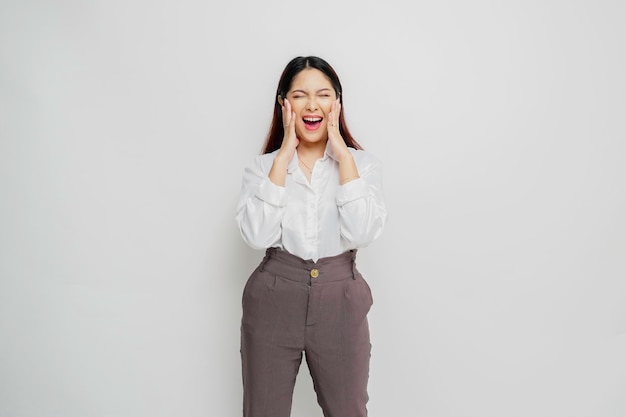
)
(311, 150)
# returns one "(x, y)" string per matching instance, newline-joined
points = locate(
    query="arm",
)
(362, 212)
(262, 201)
(260, 208)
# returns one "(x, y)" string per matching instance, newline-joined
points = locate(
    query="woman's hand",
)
(278, 172)
(290, 140)
(347, 167)
(340, 150)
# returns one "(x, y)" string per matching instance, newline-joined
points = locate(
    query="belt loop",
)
(354, 270)
(268, 254)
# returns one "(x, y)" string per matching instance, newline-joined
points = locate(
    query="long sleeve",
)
(261, 206)
(362, 211)
(311, 219)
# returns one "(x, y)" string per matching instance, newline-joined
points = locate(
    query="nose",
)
(311, 104)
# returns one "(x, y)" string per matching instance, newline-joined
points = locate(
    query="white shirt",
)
(313, 220)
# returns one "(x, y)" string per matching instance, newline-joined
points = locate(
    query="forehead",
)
(310, 79)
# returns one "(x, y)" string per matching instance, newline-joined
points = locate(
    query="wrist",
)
(282, 158)
(344, 158)
(346, 180)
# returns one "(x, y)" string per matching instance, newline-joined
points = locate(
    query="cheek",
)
(327, 107)
(297, 106)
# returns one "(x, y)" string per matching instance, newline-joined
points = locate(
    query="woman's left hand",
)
(337, 143)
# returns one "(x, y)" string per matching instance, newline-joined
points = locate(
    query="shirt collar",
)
(293, 164)
(328, 152)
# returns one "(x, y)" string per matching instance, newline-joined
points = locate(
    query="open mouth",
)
(312, 123)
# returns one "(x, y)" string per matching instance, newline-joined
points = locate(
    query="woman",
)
(310, 199)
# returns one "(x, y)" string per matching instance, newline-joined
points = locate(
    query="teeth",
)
(312, 119)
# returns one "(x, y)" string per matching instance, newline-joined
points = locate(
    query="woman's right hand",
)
(290, 140)
(278, 172)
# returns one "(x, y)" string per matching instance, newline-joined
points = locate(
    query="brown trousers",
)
(292, 306)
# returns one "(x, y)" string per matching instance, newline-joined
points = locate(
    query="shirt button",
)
(315, 273)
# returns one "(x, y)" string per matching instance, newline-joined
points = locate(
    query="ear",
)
(281, 101)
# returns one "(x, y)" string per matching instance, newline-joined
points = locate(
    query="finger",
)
(333, 116)
(337, 112)
(332, 120)
(292, 124)
(286, 113)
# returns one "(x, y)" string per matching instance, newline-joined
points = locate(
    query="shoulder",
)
(264, 161)
(364, 158)
(267, 158)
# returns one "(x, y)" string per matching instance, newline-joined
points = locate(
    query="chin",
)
(312, 141)
(308, 138)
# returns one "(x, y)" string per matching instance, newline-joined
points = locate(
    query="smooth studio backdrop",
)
(499, 283)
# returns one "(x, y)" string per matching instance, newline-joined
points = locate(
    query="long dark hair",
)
(275, 135)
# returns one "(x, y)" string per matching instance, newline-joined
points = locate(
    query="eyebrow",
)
(319, 91)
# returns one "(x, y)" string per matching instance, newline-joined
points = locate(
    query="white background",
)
(499, 283)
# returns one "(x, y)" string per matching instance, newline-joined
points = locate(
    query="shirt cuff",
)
(352, 190)
(271, 193)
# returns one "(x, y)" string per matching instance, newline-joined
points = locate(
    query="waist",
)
(328, 269)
